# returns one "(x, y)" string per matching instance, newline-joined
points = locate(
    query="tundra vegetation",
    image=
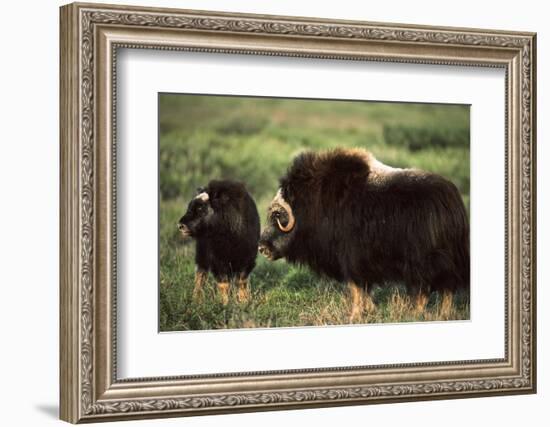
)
(254, 140)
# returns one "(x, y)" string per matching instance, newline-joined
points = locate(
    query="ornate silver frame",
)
(90, 36)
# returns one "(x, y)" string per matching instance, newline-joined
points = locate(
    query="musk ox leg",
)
(368, 302)
(446, 304)
(223, 288)
(200, 280)
(357, 293)
(244, 291)
(420, 301)
(418, 291)
(419, 296)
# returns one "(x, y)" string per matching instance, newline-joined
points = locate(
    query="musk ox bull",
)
(224, 221)
(351, 218)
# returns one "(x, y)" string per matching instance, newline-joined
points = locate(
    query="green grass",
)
(253, 140)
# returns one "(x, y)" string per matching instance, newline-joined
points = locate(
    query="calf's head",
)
(280, 229)
(198, 216)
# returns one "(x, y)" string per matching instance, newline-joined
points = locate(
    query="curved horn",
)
(291, 220)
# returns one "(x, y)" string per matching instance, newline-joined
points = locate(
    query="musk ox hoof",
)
(244, 292)
(420, 303)
(223, 289)
(446, 305)
(368, 304)
(243, 296)
(356, 314)
(354, 318)
(198, 295)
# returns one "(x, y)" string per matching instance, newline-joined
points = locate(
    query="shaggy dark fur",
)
(226, 227)
(359, 224)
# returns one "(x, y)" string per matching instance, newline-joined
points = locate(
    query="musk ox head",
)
(198, 216)
(280, 229)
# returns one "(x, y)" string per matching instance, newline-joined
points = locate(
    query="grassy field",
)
(253, 140)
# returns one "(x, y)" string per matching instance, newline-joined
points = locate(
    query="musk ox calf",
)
(351, 218)
(224, 221)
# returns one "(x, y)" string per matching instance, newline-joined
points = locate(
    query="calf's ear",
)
(201, 190)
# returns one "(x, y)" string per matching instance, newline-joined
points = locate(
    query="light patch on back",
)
(379, 171)
(203, 196)
(380, 168)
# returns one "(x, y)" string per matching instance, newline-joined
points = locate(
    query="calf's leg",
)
(223, 288)
(244, 291)
(200, 280)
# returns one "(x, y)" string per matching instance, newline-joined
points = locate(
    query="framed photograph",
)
(265, 212)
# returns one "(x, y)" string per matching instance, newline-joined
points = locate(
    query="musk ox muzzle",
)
(184, 230)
